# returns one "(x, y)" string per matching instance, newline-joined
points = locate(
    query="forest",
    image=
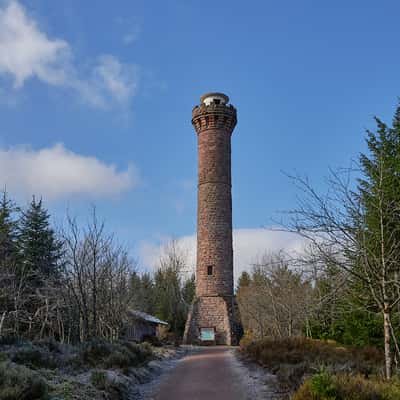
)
(340, 298)
(326, 321)
(77, 283)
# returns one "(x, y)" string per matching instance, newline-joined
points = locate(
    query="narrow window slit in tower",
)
(210, 270)
(217, 101)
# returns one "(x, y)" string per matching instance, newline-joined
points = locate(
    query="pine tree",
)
(8, 256)
(244, 280)
(379, 192)
(147, 294)
(39, 248)
(8, 230)
(189, 290)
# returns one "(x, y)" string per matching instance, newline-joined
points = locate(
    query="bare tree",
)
(170, 303)
(277, 300)
(336, 225)
(96, 273)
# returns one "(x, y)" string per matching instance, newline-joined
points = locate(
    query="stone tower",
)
(213, 315)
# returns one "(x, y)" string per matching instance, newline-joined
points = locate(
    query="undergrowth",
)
(295, 359)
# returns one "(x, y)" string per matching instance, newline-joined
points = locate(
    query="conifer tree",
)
(380, 201)
(8, 230)
(39, 248)
(8, 257)
(189, 290)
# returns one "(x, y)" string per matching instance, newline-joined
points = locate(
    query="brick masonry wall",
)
(213, 312)
(214, 303)
(214, 125)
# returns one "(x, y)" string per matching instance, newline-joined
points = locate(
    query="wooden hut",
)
(140, 326)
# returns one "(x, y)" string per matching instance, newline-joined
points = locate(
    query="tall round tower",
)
(212, 317)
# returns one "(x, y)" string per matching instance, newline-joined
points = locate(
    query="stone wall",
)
(214, 124)
(214, 306)
(213, 312)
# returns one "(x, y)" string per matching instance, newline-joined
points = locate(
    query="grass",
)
(293, 359)
(34, 357)
(326, 386)
(99, 379)
(115, 355)
(19, 383)
(45, 369)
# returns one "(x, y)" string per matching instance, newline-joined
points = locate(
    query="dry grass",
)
(324, 386)
(293, 359)
(20, 383)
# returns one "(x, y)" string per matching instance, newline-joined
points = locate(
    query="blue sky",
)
(96, 99)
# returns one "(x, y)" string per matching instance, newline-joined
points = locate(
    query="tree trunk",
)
(2, 322)
(386, 330)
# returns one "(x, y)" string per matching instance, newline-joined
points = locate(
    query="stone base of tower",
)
(219, 313)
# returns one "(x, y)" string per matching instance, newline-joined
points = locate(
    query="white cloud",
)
(248, 246)
(116, 78)
(56, 172)
(132, 36)
(131, 27)
(26, 52)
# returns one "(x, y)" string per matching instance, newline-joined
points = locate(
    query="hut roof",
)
(146, 317)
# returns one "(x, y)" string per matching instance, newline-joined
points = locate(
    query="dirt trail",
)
(213, 373)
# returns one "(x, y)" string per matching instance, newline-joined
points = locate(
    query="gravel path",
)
(211, 373)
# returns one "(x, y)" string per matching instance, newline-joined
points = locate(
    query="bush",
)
(139, 353)
(119, 360)
(293, 358)
(10, 340)
(95, 351)
(153, 340)
(49, 344)
(324, 386)
(99, 379)
(115, 355)
(315, 352)
(19, 383)
(246, 339)
(34, 357)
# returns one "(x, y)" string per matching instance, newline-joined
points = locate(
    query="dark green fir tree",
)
(8, 231)
(38, 246)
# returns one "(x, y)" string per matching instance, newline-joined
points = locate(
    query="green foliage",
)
(49, 344)
(119, 360)
(189, 290)
(354, 328)
(34, 357)
(121, 354)
(293, 358)
(168, 298)
(165, 295)
(9, 340)
(99, 379)
(8, 230)
(19, 383)
(244, 280)
(322, 385)
(63, 391)
(95, 351)
(142, 292)
(342, 386)
(39, 248)
(381, 178)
